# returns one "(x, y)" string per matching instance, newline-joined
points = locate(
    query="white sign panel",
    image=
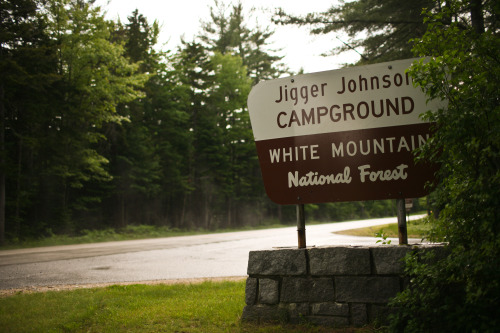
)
(361, 97)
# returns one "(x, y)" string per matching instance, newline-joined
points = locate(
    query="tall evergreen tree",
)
(192, 62)
(62, 79)
(221, 134)
(379, 30)
(230, 124)
(27, 64)
(228, 32)
(96, 77)
(141, 37)
(173, 140)
(134, 163)
(147, 152)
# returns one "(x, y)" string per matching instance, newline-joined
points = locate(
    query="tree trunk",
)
(229, 208)
(206, 212)
(17, 223)
(2, 167)
(476, 14)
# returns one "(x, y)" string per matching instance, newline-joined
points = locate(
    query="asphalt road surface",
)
(186, 257)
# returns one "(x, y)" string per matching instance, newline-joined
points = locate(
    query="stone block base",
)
(327, 286)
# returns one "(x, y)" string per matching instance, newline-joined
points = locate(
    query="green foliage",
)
(416, 229)
(454, 294)
(383, 237)
(343, 211)
(54, 165)
(104, 235)
(459, 293)
(100, 129)
(228, 32)
(386, 26)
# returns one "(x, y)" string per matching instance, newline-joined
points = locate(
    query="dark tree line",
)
(100, 128)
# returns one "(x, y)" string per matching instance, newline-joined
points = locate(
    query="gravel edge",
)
(41, 289)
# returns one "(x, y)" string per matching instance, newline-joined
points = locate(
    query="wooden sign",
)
(341, 135)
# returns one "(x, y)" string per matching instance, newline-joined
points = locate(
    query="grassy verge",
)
(147, 231)
(128, 233)
(205, 307)
(416, 229)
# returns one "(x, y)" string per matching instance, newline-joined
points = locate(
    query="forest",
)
(102, 129)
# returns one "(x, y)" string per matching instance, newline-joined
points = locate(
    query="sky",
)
(182, 19)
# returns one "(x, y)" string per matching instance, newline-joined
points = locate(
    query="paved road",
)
(213, 255)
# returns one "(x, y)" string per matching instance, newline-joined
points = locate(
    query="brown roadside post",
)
(402, 231)
(301, 226)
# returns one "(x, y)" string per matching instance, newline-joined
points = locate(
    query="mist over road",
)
(199, 256)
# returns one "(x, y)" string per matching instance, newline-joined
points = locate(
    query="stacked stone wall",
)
(329, 286)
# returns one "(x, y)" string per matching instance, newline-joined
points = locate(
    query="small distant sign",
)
(408, 204)
(341, 135)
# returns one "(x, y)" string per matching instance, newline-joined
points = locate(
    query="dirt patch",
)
(41, 289)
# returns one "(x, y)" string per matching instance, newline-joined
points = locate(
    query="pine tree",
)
(227, 105)
(192, 63)
(379, 30)
(228, 33)
(27, 64)
(147, 153)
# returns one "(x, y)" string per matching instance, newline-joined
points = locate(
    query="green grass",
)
(415, 229)
(131, 232)
(128, 233)
(204, 307)
(147, 231)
